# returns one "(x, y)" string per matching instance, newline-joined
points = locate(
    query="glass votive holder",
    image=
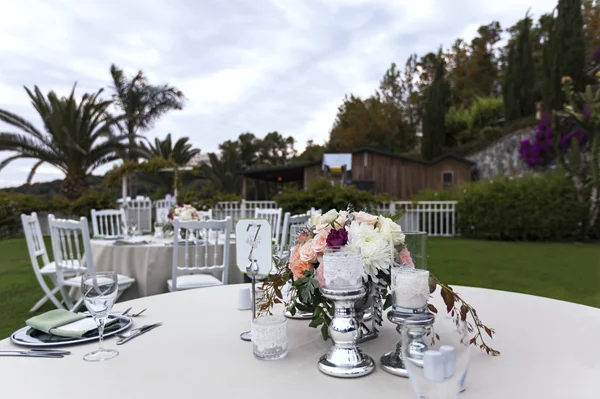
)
(269, 337)
(410, 289)
(343, 268)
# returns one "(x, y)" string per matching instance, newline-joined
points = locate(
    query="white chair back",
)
(205, 215)
(140, 210)
(313, 211)
(163, 207)
(291, 228)
(37, 252)
(215, 244)
(71, 245)
(273, 216)
(109, 223)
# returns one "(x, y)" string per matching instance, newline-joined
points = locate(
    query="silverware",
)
(33, 353)
(36, 351)
(137, 333)
(135, 314)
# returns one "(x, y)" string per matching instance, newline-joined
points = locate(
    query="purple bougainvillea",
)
(540, 151)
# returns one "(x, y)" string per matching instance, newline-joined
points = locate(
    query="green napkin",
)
(130, 242)
(64, 323)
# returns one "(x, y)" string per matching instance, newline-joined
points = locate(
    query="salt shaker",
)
(433, 365)
(449, 356)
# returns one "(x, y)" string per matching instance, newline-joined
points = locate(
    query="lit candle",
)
(410, 289)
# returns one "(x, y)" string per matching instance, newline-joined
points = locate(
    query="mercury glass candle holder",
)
(343, 268)
(410, 289)
(269, 337)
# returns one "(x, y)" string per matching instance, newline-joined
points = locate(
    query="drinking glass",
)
(416, 244)
(99, 292)
(158, 230)
(269, 337)
(436, 356)
(132, 226)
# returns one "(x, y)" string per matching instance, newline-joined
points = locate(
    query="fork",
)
(126, 313)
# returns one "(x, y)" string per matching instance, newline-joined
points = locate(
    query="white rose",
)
(391, 230)
(329, 216)
(314, 220)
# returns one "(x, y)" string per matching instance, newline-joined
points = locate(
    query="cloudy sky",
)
(257, 66)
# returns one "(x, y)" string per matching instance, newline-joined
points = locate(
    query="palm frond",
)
(33, 170)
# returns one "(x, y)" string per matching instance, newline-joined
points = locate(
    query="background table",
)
(549, 350)
(150, 264)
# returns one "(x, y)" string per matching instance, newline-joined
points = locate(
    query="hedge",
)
(323, 195)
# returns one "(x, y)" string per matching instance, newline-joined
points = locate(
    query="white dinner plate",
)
(28, 336)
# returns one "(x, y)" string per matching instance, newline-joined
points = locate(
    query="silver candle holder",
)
(393, 362)
(344, 358)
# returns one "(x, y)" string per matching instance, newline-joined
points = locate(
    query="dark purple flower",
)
(337, 238)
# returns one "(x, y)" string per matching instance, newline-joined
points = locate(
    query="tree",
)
(438, 96)
(181, 153)
(567, 50)
(312, 153)
(223, 173)
(77, 137)
(141, 105)
(591, 24)
(370, 123)
(274, 149)
(519, 82)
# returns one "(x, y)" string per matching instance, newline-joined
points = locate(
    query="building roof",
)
(412, 159)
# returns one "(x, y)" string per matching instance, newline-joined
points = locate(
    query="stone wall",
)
(501, 157)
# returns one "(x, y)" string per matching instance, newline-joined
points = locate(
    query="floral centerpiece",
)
(183, 212)
(381, 243)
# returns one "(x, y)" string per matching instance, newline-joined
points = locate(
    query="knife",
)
(141, 331)
(36, 351)
(32, 354)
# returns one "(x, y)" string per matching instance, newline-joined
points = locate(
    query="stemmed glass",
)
(132, 226)
(99, 292)
(436, 355)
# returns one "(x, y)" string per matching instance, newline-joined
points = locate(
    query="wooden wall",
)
(311, 174)
(403, 178)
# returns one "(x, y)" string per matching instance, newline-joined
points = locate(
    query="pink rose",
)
(296, 265)
(364, 217)
(323, 227)
(320, 276)
(320, 242)
(405, 259)
(340, 222)
(307, 253)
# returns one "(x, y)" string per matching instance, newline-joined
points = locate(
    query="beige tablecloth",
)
(549, 350)
(151, 264)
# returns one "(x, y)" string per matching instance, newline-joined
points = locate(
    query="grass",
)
(569, 272)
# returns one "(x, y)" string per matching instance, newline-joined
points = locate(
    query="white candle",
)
(449, 360)
(342, 269)
(410, 288)
(433, 366)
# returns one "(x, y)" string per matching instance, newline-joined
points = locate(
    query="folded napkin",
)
(64, 323)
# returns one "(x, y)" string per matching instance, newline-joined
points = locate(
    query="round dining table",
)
(149, 261)
(548, 348)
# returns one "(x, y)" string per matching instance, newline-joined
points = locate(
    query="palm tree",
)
(224, 173)
(181, 153)
(141, 105)
(77, 137)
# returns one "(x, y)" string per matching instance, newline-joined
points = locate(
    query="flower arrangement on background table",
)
(381, 243)
(184, 212)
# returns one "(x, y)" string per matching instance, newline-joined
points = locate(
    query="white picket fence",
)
(437, 218)
(240, 210)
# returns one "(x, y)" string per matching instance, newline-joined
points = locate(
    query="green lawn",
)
(570, 272)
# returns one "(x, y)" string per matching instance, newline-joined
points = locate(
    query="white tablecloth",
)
(150, 264)
(549, 350)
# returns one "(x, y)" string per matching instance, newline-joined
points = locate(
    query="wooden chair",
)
(140, 210)
(274, 218)
(73, 255)
(109, 223)
(163, 207)
(192, 271)
(291, 227)
(205, 215)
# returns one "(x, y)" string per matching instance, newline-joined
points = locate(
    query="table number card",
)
(253, 241)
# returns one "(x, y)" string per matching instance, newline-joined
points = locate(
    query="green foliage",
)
(322, 195)
(438, 97)
(542, 208)
(485, 110)
(181, 153)
(490, 133)
(457, 124)
(452, 194)
(91, 200)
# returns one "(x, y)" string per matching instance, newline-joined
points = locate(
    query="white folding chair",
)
(192, 271)
(73, 257)
(37, 250)
(313, 211)
(205, 215)
(140, 210)
(274, 218)
(109, 223)
(291, 227)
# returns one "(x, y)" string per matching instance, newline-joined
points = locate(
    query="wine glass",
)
(436, 354)
(99, 292)
(132, 226)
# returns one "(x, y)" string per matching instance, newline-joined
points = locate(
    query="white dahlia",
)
(375, 249)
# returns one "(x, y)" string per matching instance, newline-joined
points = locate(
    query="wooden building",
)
(377, 171)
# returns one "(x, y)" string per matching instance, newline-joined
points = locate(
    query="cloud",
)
(260, 66)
